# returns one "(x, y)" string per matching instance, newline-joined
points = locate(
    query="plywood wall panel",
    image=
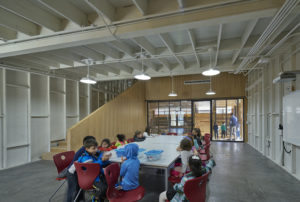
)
(225, 85)
(124, 114)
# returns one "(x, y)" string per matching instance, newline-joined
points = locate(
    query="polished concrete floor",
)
(241, 174)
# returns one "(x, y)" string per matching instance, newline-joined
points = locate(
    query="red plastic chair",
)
(86, 173)
(62, 161)
(130, 140)
(113, 143)
(171, 133)
(206, 155)
(195, 189)
(112, 173)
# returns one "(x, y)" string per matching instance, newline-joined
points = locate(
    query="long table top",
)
(162, 142)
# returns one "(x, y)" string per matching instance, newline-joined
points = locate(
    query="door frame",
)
(210, 100)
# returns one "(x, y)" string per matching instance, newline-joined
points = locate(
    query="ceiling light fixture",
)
(87, 79)
(173, 93)
(211, 71)
(142, 76)
(210, 92)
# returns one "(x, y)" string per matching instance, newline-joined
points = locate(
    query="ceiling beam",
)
(171, 46)
(218, 44)
(151, 65)
(33, 13)
(57, 58)
(145, 44)
(7, 34)
(123, 47)
(107, 68)
(229, 14)
(88, 53)
(106, 50)
(142, 5)
(40, 61)
(67, 10)
(135, 65)
(24, 63)
(123, 67)
(194, 45)
(245, 38)
(12, 21)
(103, 8)
(65, 53)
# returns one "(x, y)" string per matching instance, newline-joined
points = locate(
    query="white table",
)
(163, 142)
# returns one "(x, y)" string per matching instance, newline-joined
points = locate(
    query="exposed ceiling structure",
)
(54, 36)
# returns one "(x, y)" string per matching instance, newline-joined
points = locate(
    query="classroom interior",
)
(50, 49)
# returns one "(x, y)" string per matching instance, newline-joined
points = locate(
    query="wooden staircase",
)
(56, 147)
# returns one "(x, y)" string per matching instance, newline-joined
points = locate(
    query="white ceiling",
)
(55, 35)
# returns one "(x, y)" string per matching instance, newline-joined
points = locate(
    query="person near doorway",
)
(223, 130)
(232, 124)
(238, 130)
(216, 130)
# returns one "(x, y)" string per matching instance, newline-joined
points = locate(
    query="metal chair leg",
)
(56, 191)
(77, 195)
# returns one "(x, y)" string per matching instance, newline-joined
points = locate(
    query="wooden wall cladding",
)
(124, 114)
(225, 85)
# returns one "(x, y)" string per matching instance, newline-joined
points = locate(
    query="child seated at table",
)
(197, 135)
(138, 136)
(185, 149)
(106, 145)
(195, 146)
(91, 156)
(177, 193)
(121, 140)
(71, 175)
(130, 168)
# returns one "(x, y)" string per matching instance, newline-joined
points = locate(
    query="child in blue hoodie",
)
(91, 155)
(130, 168)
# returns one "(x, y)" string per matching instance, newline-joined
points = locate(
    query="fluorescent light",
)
(172, 94)
(87, 80)
(210, 92)
(142, 77)
(211, 72)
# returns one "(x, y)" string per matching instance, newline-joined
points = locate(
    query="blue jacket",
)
(87, 158)
(130, 168)
(77, 155)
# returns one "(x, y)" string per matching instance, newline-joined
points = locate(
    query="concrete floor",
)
(241, 174)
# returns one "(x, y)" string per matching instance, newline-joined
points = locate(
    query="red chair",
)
(171, 133)
(112, 173)
(62, 161)
(86, 173)
(206, 155)
(113, 143)
(130, 140)
(195, 189)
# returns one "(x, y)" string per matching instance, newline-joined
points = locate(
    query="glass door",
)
(202, 116)
(227, 120)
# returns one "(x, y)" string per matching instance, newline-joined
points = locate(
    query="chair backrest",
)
(171, 133)
(87, 173)
(130, 140)
(195, 189)
(63, 160)
(112, 173)
(113, 143)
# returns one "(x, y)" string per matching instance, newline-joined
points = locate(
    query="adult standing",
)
(232, 124)
(216, 130)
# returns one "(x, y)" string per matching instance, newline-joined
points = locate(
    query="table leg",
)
(166, 178)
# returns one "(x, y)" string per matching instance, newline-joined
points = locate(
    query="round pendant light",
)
(142, 76)
(210, 92)
(211, 71)
(88, 79)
